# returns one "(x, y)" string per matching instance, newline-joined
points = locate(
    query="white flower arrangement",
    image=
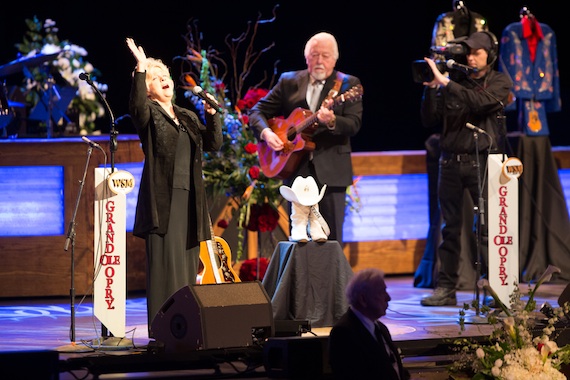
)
(69, 61)
(511, 352)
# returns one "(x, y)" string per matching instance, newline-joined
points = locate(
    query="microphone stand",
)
(479, 211)
(112, 148)
(71, 239)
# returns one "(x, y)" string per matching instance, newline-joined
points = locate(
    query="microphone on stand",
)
(476, 129)
(199, 92)
(91, 143)
(113, 135)
(451, 64)
(85, 77)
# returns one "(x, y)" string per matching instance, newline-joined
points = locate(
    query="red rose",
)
(240, 104)
(248, 269)
(254, 172)
(262, 218)
(251, 97)
(220, 87)
(222, 223)
(268, 218)
(250, 148)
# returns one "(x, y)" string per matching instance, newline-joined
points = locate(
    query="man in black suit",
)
(360, 346)
(330, 162)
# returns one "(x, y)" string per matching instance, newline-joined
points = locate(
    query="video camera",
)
(454, 49)
(421, 72)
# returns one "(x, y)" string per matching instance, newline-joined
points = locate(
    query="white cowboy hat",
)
(303, 191)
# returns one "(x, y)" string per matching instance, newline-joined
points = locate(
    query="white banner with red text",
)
(110, 260)
(503, 219)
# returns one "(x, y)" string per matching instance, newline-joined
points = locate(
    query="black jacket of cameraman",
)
(464, 100)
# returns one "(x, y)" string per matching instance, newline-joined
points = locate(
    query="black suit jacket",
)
(355, 354)
(331, 157)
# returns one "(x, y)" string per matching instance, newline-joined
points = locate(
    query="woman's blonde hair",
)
(153, 63)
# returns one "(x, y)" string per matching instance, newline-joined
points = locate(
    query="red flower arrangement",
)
(263, 218)
(248, 269)
(251, 97)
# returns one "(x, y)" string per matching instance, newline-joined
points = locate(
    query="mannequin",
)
(528, 54)
(530, 44)
(460, 22)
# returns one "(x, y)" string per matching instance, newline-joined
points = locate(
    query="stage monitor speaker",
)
(213, 316)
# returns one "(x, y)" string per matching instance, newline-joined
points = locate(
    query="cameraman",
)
(477, 96)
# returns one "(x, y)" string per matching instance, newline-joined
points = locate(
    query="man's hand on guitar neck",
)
(272, 140)
(326, 115)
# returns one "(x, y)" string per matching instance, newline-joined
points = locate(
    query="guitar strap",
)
(337, 84)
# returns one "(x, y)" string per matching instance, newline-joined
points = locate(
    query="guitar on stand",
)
(215, 256)
(296, 134)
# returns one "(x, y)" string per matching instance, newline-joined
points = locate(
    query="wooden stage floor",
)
(36, 339)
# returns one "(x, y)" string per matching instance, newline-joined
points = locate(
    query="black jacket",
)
(480, 102)
(159, 135)
(355, 354)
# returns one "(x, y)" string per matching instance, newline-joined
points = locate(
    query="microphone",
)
(476, 129)
(451, 64)
(199, 92)
(91, 143)
(85, 77)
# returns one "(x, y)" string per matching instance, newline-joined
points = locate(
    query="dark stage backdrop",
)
(377, 43)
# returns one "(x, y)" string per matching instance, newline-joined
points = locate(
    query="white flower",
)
(48, 23)
(63, 63)
(480, 353)
(78, 50)
(548, 348)
(70, 62)
(515, 354)
(88, 68)
(50, 49)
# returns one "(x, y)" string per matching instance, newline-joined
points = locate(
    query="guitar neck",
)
(308, 122)
(354, 93)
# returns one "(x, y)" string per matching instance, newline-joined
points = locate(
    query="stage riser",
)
(39, 266)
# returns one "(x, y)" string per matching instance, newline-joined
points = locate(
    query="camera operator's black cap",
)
(479, 40)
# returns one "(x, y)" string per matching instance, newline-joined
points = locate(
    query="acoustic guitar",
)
(296, 136)
(216, 259)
